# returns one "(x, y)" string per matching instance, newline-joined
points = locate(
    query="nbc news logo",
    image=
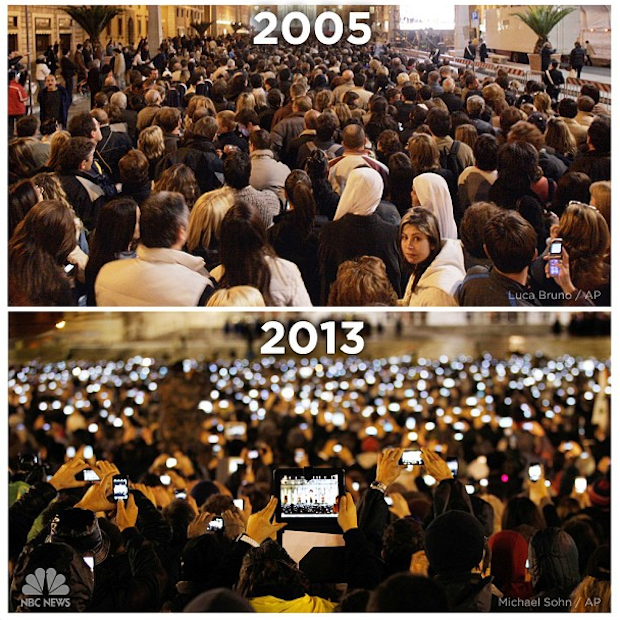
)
(45, 589)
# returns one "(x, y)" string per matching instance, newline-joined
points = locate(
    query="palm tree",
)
(93, 19)
(201, 27)
(542, 20)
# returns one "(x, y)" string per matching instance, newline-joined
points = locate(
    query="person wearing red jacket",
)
(17, 101)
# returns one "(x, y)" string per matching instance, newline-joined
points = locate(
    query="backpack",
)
(330, 153)
(450, 161)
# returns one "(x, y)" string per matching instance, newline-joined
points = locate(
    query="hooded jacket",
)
(440, 280)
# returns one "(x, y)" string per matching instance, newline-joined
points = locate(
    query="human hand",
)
(105, 468)
(64, 478)
(563, 279)
(96, 498)
(347, 513)
(200, 524)
(399, 506)
(162, 496)
(388, 468)
(247, 510)
(146, 491)
(435, 465)
(184, 463)
(126, 514)
(233, 524)
(261, 526)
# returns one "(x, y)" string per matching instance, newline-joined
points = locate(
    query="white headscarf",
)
(362, 193)
(433, 194)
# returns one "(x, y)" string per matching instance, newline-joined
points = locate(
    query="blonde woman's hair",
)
(589, 590)
(205, 220)
(242, 295)
(600, 197)
(58, 143)
(542, 103)
(466, 133)
(151, 142)
(245, 101)
(586, 237)
(559, 137)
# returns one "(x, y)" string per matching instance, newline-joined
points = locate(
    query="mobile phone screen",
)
(216, 525)
(120, 488)
(411, 458)
(453, 465)
(238, 503)
(535, 472)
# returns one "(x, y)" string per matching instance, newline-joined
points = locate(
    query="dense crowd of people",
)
(217, 172)
(523, 523)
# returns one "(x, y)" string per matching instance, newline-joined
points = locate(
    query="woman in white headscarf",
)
(431, 192)
(357, 230)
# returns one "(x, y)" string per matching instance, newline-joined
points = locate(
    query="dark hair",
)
(407, 593)
(298, 187)
(76, 151)
(326, 125)
(247, 116)
(181, 179)
(359, 79)
(244, 248)
(401, 539)
(486, 149)
(22, 197)
(237, 169)
(571, 186)
(81, 125)
(522, 511)
(439, 122)
(48, 127)
(26, 126)
(274, 97)
(517, 164)
(589, 90)
(269, 571)
(260, 139)
(115, 229)
(161, 216)
(168, 119)
(38, 250)
(600, 133)
(510, 242)
(472, 226)
(134, 167)
(21, 159)
(567, 108)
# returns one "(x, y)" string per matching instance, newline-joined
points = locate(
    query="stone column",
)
(154, 28)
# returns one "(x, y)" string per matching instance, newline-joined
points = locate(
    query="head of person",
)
(559, 137)
(326, 126)
(423, 152)
(362, 193)
(567, 108)
(298, 189)
(472, 225)
(226, 121)
(586, 238)
(134, 168)
(52, 559)
(439, 122)
(243, 248)
(517, 163)
(78, 155)
(21, 159)
(510, 242)
(179, 178)
(151, 142)
(260, 140)
(247, 121)
(169, 119)
(50, 82)
(508, 562)
(420, 239)
(571, 186)
(26, 126)
(601, 199)
(237, 170)
(522, 131)
(599, 134)
(596, 585)
(408, 593)
(268, 570)
(401, 539)
(468, 134)
(152, 97)
(23, 195)
(509, 117)
(486, 150)
(430, 190)
(237, 296)
(164, 220)
(362, 282)
(353, 137)
(85, 125)
(454, 543)
(554, 560)
(206, 218)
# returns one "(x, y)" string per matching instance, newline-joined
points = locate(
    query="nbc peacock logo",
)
(45, 588)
